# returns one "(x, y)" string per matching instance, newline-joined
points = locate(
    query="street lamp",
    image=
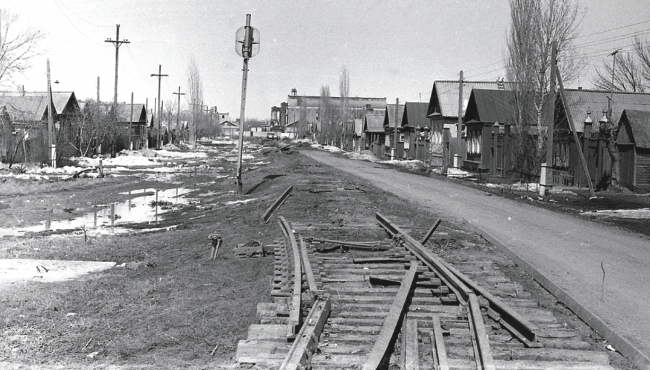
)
(247, 45)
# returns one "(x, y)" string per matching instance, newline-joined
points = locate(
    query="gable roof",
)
(25, 108)
(638, 124)
(229, 124)
(490, 106)
(124, 110)
(415, 114)
(389, 120)
(595, 101)
(374, 122)
(444, 95)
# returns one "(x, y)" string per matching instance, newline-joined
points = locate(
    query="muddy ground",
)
(174, 307)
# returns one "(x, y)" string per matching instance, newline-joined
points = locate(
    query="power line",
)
(77, 15)
(610, 30)
(72, 23)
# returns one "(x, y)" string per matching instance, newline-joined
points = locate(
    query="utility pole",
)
(117, 42)
(97, 89)
(394, 151)
(131, 124)
(567, 107)
(50, 119)
(550, 117)
(158, 105)
(459, 126)
(178, 113)
(247, 46)
(611, 89)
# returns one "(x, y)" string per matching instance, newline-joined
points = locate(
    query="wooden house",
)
(634, 149)
(587, 107)
(393, 123)
(229, 129)
(373, 129)
(416, 128)
(25, 119)
(137, 120)
(442, 111)
(487, 119)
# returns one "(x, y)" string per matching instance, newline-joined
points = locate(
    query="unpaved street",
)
(567, 250)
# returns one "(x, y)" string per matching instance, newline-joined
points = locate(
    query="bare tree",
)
(630, 72)
(344, 90)
(195, 95)
(325, 115)
(302, 119)
(91, 128)
(535, 24)
(17, 47)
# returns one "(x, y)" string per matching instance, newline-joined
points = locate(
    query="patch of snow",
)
(243, 201)
(640, 213)
(17, 270)
(457, 173)
(331, 148)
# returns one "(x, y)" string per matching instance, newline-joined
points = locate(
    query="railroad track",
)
(392, 303)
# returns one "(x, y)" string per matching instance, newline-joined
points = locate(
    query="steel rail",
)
(428, 258)
(377, 356)
(520, 327)
(296, 297)
(266, 216)
(306, 343)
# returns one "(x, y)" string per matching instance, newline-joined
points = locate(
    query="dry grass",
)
(170, 315)
(13, 186)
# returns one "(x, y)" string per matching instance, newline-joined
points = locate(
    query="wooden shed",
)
(487, 118)
(416, 126)
(373, 128)
(634, 149)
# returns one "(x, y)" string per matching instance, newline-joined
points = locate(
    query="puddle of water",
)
(113, 218)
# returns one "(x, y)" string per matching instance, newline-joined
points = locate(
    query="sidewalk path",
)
(567, 250)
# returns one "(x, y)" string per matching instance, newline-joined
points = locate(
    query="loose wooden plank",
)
(380, 349)
(412, 360)
(307, 340)
(482, 343)
(309, 273)
(269, 212)
(439, 351)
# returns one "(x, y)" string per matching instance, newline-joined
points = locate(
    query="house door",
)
(626, 155)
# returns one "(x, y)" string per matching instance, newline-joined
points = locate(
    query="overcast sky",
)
(390, 48)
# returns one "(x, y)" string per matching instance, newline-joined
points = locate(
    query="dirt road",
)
(567, 250)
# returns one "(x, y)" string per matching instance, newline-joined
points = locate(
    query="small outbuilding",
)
(634, 149)
(373, 128)
(487, 119)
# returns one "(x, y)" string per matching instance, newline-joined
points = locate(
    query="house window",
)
(562, 154)
(474, 139)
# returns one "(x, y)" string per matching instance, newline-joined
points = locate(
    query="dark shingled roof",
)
(389, 121)
(490, 106)
(594, 101)
(639, 124)
(415, 114)
(374, 122)
(444, 95)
